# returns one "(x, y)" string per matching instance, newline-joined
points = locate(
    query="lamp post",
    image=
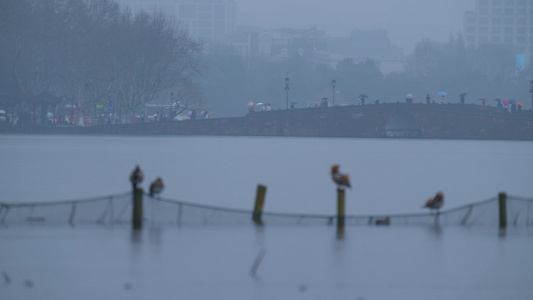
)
(531, 93)
(170, 107)
(333, 82)
(287, 88)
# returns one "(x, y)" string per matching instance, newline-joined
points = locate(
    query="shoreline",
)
(392, 120)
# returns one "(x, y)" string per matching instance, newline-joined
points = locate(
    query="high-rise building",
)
(208, 20)
(503, 22)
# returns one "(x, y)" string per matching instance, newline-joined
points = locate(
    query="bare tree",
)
(157, 55)
(86, 50)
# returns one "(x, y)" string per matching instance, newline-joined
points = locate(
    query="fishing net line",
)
(117, 209)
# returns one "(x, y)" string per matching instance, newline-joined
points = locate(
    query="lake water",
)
(300, 262)
(388, 176)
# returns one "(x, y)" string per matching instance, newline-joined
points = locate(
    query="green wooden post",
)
(502, 201)
(137, 217)
(340, 209)
(259, 203)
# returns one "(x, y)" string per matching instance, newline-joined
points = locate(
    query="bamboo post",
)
(340, 209)
(259, 203)
(137, 217)
(502, 204)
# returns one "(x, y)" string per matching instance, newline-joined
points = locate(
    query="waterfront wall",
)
(393, 120)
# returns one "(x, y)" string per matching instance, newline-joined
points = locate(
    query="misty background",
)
(109, 60)
(407, 21)
(103, 60)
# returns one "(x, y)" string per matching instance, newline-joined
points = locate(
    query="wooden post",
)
(137, 217)
(502, 203)
(340, 209)
(259, 203)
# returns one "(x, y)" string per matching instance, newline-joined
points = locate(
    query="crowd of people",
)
(511, 105)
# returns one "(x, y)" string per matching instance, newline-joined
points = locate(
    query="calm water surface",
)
(299, 263)
(388, 176)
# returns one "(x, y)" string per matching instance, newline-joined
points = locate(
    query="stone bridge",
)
(448, 121)
(393, 120)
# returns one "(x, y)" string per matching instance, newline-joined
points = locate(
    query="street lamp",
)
(170, 107)
(287, 88)
(333, 82)
(531, 93)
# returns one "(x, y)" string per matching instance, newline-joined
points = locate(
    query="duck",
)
(435, 203)
(136, 177)
(156, 187)
(385, 221)
(342, 180)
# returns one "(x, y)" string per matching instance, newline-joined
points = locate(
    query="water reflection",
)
(339, 247)
(257, 261)
(340, 233)
(136, 236)
(296, 261)
(155, 235)
(435, 230)
(260, 235)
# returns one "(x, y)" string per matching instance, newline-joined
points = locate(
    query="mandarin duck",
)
(339, 178)
(136, 177)
(156, 187)
(435, 203)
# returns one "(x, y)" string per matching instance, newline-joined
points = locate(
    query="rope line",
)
(115, 209)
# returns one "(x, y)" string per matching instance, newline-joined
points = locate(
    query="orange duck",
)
(342, 180)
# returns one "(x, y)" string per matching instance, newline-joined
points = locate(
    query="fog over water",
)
(408, 21)
(388, 176)
(43, 260)
(300, 262)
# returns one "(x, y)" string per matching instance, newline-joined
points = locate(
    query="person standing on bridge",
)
(427, 99)
(462, 98)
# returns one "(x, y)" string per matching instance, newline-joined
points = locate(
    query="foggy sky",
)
(408, 21)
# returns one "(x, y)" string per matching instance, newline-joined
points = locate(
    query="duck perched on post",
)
(435, 203)
(342, 180)
(156, 187)
(136, 177)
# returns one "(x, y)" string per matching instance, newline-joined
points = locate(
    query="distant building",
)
(391, 66)
(316, 47)
(279, 44)
(245, 41)
(367, 44)
(503, 22)
(212, 21)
